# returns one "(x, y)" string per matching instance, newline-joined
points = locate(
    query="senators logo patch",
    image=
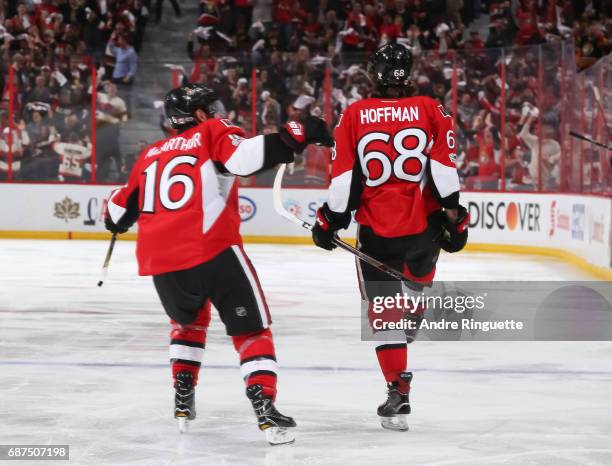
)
(443, 111)
(227, 122)
(339, 120)
(236, 140)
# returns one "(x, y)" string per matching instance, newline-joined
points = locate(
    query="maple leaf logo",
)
(67, 209)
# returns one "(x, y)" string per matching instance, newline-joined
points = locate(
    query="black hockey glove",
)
(129, 217)
(455, 234)
(312, 130)
(114, 227)
(326, 225)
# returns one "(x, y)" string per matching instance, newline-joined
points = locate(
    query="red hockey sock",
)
(258, 360)
(393, 359)
(187, 344)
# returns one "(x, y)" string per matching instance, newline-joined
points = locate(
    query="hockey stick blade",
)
(107, 259)
(277, 200)
(280, 209)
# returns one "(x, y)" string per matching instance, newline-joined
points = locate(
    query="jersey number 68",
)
(395, 167)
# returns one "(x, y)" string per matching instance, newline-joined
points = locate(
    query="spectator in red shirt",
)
(285, 13)
(390, 29)
(487, 166)
(527, 21)
(359, 32)
(474, 42)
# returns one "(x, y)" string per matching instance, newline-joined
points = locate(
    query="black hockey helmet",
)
(181, 103)
(390, 66)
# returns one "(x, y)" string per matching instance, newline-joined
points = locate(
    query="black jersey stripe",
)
(390, 346)
(187, 362)
(255, 358)
(193, 344)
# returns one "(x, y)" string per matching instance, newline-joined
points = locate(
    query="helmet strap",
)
(201, 115)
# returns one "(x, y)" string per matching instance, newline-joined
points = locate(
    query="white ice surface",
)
(87, 366)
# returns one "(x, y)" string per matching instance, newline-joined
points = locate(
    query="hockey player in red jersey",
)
(394, 164)
(184, 194)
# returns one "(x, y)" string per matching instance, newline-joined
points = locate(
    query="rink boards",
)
(575, 227)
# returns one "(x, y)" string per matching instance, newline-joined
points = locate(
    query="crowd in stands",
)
(55, 47)
(291, 42)
(308, 56)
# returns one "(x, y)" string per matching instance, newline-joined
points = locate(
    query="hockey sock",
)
(392, 358)
(258, 360)
(187, 344)
(427, 278)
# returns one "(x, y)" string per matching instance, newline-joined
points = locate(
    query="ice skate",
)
(394, 411)
(184, 400)
(277, 427)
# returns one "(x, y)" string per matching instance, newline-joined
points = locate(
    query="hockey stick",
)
(602, 110)
(588, 139)
(109, 253)
(280, 209)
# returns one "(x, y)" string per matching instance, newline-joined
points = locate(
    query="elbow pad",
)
(276, 151)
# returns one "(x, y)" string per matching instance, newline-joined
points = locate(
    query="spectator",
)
(74, 154)
(270, 110)
(13, 144)
(112, 113)
(40, 93)
(499, 34)
(545, 154)
(126, 60)
(527, 19)
(262, 12)
(474, 42)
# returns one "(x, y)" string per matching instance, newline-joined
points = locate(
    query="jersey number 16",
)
(166, 181)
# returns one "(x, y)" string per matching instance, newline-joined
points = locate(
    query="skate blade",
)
(279, 435)
(398, 422)
(183, 424)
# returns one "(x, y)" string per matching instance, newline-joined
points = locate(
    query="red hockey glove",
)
(455, 235)
(313, 130)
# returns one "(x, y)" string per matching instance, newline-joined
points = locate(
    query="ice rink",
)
(87, 366)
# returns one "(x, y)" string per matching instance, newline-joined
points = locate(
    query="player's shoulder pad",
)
(223, 125)
(427, 100)
(436, 107)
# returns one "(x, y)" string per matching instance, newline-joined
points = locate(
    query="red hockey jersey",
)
(187, 195)
(394, 147)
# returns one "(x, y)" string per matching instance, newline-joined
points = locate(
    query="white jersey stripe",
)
(248, 157)
(115, 211)
(389, 337)
(188, 353)
(340, 191)
(216, 188)
(259, 298)
(445, 178)
(258, 365)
